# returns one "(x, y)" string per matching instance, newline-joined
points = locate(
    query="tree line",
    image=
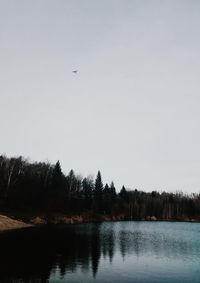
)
(41, 186)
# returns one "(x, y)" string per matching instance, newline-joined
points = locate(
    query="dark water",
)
(106, 252)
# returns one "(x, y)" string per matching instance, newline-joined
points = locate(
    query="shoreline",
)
(8, 223)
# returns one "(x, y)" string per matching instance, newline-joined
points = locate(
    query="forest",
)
(42, 187)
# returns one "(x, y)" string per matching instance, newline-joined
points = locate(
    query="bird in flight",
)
(75, 71)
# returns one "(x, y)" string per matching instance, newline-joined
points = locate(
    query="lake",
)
(103, 252)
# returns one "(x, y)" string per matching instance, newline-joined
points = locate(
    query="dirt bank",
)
(7, 223)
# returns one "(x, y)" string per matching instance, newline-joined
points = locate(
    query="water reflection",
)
(33, 255)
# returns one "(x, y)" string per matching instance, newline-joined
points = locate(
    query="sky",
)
(132, 110)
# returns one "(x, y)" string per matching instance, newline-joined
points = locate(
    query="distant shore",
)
(8, 223)
(65, 219)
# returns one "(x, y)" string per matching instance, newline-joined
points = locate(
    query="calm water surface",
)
(105, 252)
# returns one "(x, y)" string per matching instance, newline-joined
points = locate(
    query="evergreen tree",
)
(106, 199)
(87, 185)
(113, 191)
(57, 176)
(87, 191)
(71, 180)
(106, 190)
(98, 191)
(123, 193)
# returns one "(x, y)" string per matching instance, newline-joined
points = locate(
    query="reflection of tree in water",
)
(108, 244)
(95, 249)
(123, 247)
(31, 255)
(130, 243)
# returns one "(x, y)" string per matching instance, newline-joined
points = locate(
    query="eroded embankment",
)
(7, 223)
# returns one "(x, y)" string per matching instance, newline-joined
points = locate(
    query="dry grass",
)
(7, 223)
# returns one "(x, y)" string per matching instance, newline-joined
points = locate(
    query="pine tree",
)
(123, 193)
(71, 180)
(98, 191)
(106, 190)
(57, 176)
(106, 199)
(112, 191)
(87, 185)
(87, 191)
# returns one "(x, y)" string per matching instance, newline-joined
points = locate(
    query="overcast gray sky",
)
(133, 109)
